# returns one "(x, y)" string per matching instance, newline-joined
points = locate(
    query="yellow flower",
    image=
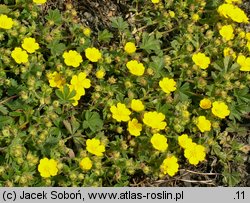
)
(227, 32)
(201, 60)
(203, 124)
(80, 83)
(195, 153)
(120, 113)
(137, 105)
(238, 15)
(171, 14)
(30, 45)
(134, 127)
(170, 166)
(205, 103)
(248, 45)
(100, 74)
(86, 164)
(47, 167)
(195, 17)
(72, 58)
(95, 147)
(155, 1)
(184, 141)
(5, 22)
(244, 63)
(167, 85)
(135, 67)
(130, 47)
(229, 52)
(159, 142)
(87, 32)
(233, 12)
(242, 34)
(233, 1)
(154, 120)
(39, 1)
(19, 55)
(247, 36)
(93, 54)
(56, 79)
(220, 109)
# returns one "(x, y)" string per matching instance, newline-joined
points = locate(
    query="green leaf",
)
(231, 178)
(184, 91)
(104, 36)
(54, 16)
(65, 95)
(119, 23)
(92, 121)
(4, 9)
(5, 120)
(242, 95)
(150, 43)
(157, 65)
(3, 110)
(56, 48)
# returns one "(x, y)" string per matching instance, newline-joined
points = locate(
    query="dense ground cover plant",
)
(150, 98)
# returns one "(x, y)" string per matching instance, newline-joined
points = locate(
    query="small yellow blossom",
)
(220, 109)
(87, 31)
(137, 105)
(244, 63)
(167, 85)
(95, 147)
(120, 112)
(5, 22)
(30, 45)
(233, 12)
(154, 120)
(100, 74)
(93, 54)
(47, 167)
(155, 1)
(203, 124)
(19, 55)
(242, 34)
(227, 32)
(134, 127)
(72, 58)
(39, 1)
(201, 60)
(86, 164)
(56, 79)
(184, 141)
(171, 14)
(159, 142)
(195, 17)
(170, 166)
(229, 52)
(130, 47)
(205, 103)
(195, 153)
(135, 67)
(247, 36)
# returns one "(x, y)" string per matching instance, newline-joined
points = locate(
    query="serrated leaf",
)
(54, 16)
(56, 48)
(5, 120)
(119, 23)
(92, 121)
(65, 95)
(150, 43)
(157, 65)
(104, 36)
(184, 91)
(3, 110)
(4, 9)
(231, 178)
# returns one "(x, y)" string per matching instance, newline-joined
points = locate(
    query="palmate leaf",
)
(54, 16)
(56, 48)
(104, 36)
(92, 121)
(65, 95)
(150, 43)
(119, 23)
